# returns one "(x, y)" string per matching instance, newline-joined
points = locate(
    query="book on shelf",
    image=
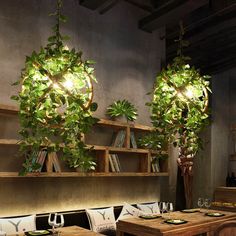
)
(111, 163)
(51, 160)
(133, 140)
(119, 139)
(39, 158)
(116, 162)
(55, 162)
(155, 165)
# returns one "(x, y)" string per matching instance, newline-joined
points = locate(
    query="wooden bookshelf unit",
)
(139, 156)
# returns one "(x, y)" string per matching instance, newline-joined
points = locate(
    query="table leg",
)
(119, 233)
(210, 233)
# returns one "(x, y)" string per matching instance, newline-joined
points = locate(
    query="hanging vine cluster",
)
(56, 102)
(179, 104)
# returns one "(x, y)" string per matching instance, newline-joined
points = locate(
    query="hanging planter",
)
(179, 111)
(56, 102)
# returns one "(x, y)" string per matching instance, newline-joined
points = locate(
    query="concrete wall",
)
(213, 163)
(127, 61)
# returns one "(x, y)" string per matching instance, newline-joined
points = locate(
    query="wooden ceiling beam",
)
(172, 12)
(201, 20)
(211, 52)
(107, 6)
(144, 7)
(219, 66)
(219, 39)
(92, 4)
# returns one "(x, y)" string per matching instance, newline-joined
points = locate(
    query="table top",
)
(73, 231)
(197, 222)
(76, 230)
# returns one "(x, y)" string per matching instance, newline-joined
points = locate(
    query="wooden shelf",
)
(120, 125)
(95, 147)
(8, 109)
(9, 142)
(101, 152)
(78, 174)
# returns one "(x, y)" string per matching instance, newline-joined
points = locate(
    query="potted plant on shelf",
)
(179, 111)
(56, 102)
(122, 109)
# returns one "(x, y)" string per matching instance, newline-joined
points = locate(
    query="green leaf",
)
(16, 98)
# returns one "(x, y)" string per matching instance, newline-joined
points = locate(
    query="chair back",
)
(227, 228)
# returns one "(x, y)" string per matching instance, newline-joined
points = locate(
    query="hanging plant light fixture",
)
(56, 102)
(179, 111)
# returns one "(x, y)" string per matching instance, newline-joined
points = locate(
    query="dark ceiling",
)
(210, 27)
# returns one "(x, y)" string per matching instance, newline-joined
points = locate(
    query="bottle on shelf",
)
(228, 180)
(232, 180)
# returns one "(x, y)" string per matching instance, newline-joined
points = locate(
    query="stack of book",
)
(51, 160)
(114, 163)
(133, 140)
(119, 139)
(155, 165)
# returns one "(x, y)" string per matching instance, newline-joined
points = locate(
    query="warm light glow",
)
(189, 93)
(68, 84)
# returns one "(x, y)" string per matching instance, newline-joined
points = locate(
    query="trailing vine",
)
(179, 104)
(56, 102)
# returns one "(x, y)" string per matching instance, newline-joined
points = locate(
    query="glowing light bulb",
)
(189, 93)
(68, 84)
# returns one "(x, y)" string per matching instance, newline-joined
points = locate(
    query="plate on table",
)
(37, 232)
(175, 221)
(151, 216)
(190, 210)
(214, 214)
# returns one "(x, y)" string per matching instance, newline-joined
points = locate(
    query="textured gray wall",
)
(127, 62)
(213, 163)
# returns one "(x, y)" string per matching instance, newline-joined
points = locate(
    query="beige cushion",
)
(151, 208)
(128, 211)
(18, 224)
(102, 220)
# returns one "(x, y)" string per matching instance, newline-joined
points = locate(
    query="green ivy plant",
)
(122, 108)
(56, 102)
(179, 105)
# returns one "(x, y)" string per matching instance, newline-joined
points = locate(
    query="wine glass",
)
(200, 203)
(52, 221)
(169, 208)
(55, 220)
(162, 207)
(207, 203)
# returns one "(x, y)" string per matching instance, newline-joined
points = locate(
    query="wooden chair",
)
(227, 228)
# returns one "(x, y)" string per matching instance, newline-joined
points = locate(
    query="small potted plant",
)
(122, 109)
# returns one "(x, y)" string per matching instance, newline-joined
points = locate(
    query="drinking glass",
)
(169, 208)
(200, 203)
(207, 203)
(52, 221)
(162, 207)
(55, 220)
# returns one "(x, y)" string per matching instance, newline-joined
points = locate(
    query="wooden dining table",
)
(197, 223)
(76, 231)
(71, 231)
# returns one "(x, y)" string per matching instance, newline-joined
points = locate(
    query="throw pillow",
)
(18, 224)
(102, 220)
(150, 208)
(128, 211)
